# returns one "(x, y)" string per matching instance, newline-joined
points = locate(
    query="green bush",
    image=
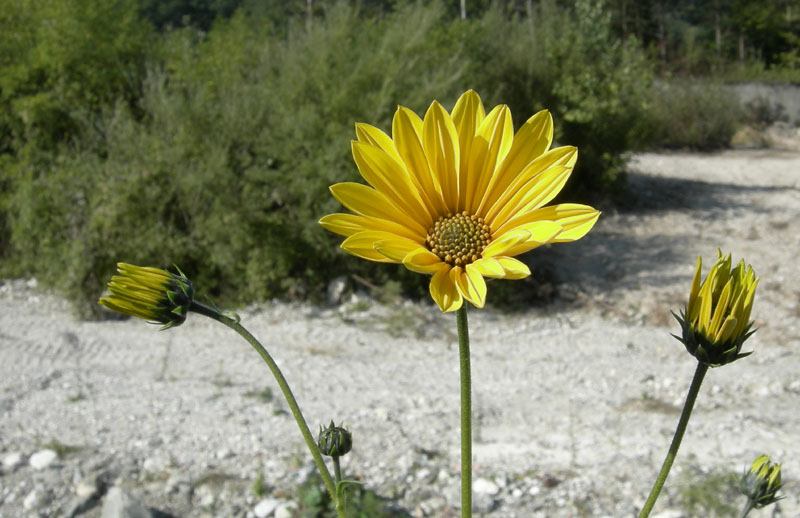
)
(695, 115)
(215, 151)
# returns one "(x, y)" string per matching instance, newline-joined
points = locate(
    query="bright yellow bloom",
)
(717, 319)
(150, 293)
(457, 196)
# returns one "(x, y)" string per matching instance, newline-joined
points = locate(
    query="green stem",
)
(287, 393)
(747, 508)
(337, 470)
(699, 373)
(466, 413)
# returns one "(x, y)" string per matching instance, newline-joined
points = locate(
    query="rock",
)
(12, 461)
(43, 459)
(336, 289)
(36, 499)
(119, 504)
(483, 486)
(670, 513)
(80, 505)
(87, 487)
(285, 510)
(266, 507)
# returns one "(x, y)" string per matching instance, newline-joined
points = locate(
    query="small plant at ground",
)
(314, 502)
(61, 449)
(264, 395)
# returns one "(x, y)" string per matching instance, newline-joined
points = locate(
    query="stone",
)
(36, 499)
(483, 486)
(43, 459)
(670, 513)
(285, 510)
(336, 289)
(86, 488)
(12, 461)
(266, 507)
(119, 504)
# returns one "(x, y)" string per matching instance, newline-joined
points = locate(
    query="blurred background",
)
(205, 133)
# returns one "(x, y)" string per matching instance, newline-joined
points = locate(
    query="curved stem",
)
(466, 413)
(747, 508)
(287, 394)
(694, 388)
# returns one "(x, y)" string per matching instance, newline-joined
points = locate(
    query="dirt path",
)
(574, 404)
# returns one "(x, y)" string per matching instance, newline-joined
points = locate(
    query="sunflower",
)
(457, 196)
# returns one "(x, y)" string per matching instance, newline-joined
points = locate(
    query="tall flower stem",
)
(749, 506)
(694, 388)
(466, 413)
(287, 394)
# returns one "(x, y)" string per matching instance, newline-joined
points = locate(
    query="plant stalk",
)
(466, 413)
(287, 394)
(747, 508)
(694, 388)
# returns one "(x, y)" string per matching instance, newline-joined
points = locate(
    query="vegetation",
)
(206, 134)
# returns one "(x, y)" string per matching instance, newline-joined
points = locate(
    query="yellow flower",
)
(150, 293)
(457, 196)
(762, 482)
(716, 321)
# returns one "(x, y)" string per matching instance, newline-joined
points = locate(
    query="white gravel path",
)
(574, 403)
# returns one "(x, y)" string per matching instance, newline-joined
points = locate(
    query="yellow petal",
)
(472, 286)
(363, 245)
(444, 292)
(695, 283)
(440, 142)
(541, 232)
(397, 248)
(390, 178)
(407, 137)
(575, 219)
(423, 261)
(489, 267)
(375, 137)
(532, 140)
(499, 245)
(537, 192)
(492, 143)
(467, 115)
(366, 201)
(349, 224)
(514, 269)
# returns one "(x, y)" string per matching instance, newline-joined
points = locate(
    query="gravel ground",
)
(574, 403)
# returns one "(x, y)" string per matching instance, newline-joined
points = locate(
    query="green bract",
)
(334, 441)
(762, 483)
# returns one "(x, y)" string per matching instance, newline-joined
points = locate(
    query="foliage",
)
(568, 61)
(694, 114)
(315, 502)
(710, 494)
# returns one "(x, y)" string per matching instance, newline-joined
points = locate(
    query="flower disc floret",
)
(457, 195)
(459, 240)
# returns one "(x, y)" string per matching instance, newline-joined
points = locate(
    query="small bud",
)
(716, 322)
(334, 441)
(151, 294)
(762, 482)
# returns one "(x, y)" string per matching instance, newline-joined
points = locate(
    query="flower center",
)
(459, 240)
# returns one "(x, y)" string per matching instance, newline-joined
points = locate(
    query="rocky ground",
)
(574, 403)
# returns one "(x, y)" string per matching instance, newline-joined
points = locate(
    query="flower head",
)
(334, 441)
(716, 321)
(762, 483)
(150, 293)
(457, 196)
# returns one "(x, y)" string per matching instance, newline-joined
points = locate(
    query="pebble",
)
(285, 510)
(36, 499)
(119, 504)
(86, 488)
(483, 486)
(670, 513)
(266, 507)
(43, 459)
(12, 461)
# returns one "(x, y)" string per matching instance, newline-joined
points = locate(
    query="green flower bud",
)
(716, 322)
(334, 441)
(762, 482)
(151, 294)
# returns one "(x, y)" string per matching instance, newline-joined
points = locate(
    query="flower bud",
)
(151, 294)
(762, 483)
(334, 441)
(716, 322)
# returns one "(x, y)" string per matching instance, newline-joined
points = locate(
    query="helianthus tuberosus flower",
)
(150, 293)
(762, 482)
(716, 321)
(457, 196)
